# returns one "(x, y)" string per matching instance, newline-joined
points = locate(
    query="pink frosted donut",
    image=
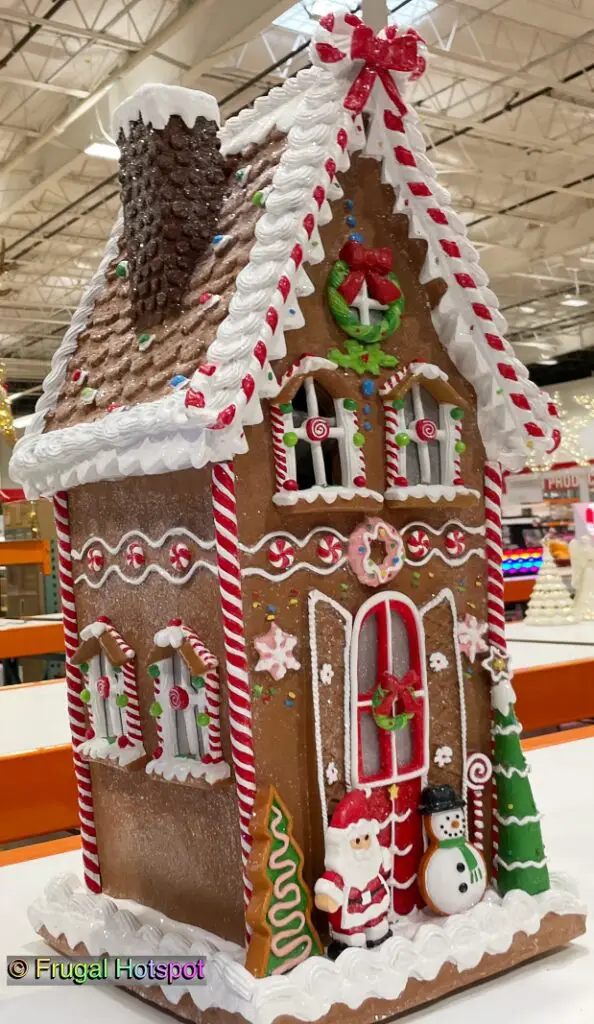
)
(371, 573)
(281, 554)
(455, 543)
(329, 549)
(418, 544)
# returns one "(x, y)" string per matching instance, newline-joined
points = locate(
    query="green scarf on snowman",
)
(473, 865)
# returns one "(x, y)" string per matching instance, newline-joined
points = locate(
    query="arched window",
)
(316, 436)
(388, 638)
(423, 418)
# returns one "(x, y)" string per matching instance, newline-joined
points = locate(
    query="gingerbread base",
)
(438, 957)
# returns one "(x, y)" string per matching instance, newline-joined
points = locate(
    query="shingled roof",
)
(230, 328)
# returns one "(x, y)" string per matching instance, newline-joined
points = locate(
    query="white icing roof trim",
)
(156, 104)
(419, 948)
(165, 435)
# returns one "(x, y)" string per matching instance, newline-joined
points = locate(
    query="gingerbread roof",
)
(296, 139)
(101, 636)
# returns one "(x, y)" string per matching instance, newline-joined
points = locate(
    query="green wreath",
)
(349, 322)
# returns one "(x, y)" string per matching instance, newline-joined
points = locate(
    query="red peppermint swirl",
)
(178, 698)
(426, 430)
(103, 687)
(317, 429)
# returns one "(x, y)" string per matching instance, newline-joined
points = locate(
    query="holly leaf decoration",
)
(401, 720)
(362, 358)
(378, 696)
(393, 723)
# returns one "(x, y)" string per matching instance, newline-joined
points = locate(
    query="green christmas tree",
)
(521, 862)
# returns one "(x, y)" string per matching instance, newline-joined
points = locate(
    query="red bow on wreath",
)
(370, 265)
(389, 689)
(381, 57)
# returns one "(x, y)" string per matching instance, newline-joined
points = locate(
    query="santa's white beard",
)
(356, 867)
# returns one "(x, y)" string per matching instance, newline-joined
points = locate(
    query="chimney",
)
(172, 180)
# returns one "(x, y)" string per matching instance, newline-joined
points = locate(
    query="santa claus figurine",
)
(353, 890)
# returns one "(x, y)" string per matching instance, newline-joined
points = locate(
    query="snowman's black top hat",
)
(435, 799)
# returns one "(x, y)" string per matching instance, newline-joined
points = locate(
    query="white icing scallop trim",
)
(447, 595)
(319, 570)
(519, 864)
(507, 730)
(417, 949)
(437, 532)
(136, 580)
(512, 819)
(101, 747)
(176, 531)
(156, 104)
(436, 553)
(435, 492)
(299, 542)
(328, 495)
(170, 767)
(501, 769)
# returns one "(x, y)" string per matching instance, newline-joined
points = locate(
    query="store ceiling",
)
(507, 104)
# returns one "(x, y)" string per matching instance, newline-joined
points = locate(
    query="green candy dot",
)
(122, 700)
(457, 414)
(460, 446)
(122, 269)
(402, 440)
(84, 667)
(198, 682)
(153, 670)
(290, 439)
(202, 718)
(398, 403)
(286, 407)
(155, 709)
(358, 439)
(258, 198)
(350, 404)
(85, 695)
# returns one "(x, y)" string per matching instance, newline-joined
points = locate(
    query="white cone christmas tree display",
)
(582, 576)
(549, 602)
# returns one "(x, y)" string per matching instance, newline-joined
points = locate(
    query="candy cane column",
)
(240, 711)
(76, 708)
(495, 598)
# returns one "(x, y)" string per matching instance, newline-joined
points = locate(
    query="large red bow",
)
(399, 689)
(370, 265)
(381, 56)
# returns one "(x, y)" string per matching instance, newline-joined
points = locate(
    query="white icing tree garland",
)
(550, 603)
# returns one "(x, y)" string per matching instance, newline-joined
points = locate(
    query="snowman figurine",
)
(452, 874)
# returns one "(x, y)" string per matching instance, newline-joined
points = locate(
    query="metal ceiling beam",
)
(564, 237)
(33, 83)
(60, 28)
(479, 172)
(508, 138)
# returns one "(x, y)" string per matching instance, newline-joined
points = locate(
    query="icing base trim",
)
(181, 768)
(420, 946)
(99, 747)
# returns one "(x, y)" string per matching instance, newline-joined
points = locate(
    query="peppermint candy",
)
(135, 556)
(330, 549)
(179, 698)
(95, 559)
(180, 556)
(455, 543)
(317, 429)
(281, 554)
(426, 430)
(103, 687)
(418, 544)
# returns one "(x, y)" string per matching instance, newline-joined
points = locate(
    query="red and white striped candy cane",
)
(213, 700)
(131, 715)
(478, 772)
(494, 551)
(281, 554)
(240, 708)
(180, 556)
(135, 556)
(76, 708)
(330, 549)
(394, 477)
(455, 543)
(279, 453)
(458, 479)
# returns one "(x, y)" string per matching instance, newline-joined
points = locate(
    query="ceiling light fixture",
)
(104, 150)
(548, 362)
(527, 309)
(574, 300)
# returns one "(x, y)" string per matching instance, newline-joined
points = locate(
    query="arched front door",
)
(388, 638)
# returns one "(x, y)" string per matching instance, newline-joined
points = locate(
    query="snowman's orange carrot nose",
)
(455, 823)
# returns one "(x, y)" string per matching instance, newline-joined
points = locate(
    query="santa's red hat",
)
(361, 809)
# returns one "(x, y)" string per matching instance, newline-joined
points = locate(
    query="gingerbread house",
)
(275, 434)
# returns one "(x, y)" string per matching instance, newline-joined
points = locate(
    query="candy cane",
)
(494, 551)
(458, 479)
(478, 772)
(394, 477)
(240, 710)
(281, 554)
(213, 700)
(279, 454)
(76, 708)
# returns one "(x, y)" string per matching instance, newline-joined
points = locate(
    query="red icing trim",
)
(465, 280)
(495, 342)
(404, 156)
(450, 248)
(519, 399)
(482, 311)
(272, 318)
(284, 286)
(507, 371)
(297, 255)
(419, 188)
(437, 215)
(260, 352)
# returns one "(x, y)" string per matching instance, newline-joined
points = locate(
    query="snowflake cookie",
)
(471, 636)
(331, 773)
(276, 652)
(326, 674)
(443, 756)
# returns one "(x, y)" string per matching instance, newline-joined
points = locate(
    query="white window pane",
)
(400, 646)
(430, 407)
(370, 746)
(183, 742)
(404, 746)
(367, 656)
